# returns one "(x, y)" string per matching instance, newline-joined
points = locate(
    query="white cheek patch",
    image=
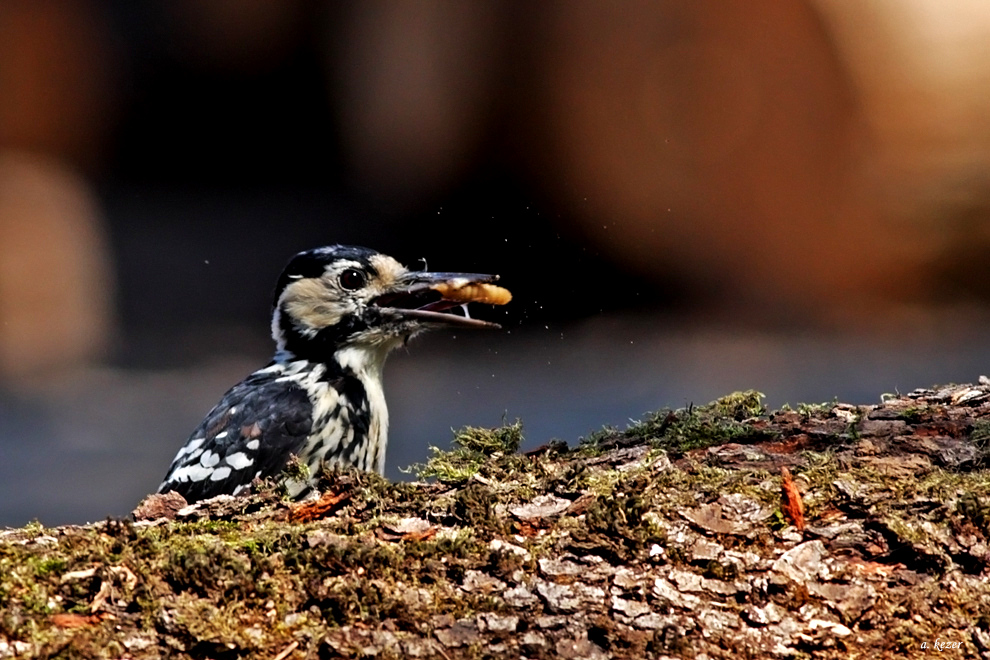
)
(312, 304)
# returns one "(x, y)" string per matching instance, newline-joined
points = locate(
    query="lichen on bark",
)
(675, 537)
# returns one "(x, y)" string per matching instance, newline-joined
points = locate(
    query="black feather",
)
(278, 415)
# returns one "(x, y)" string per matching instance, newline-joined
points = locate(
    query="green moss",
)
(490, 442)
(723, 420)
(50, 565)
(34, 529)
(980, 436)
(618, 524)
(739, 405)
(721, 571)
(817, 410)
(591, 444)
(914, 415)
(295, 470)
(820, 472)
(208, 527)
(906, 530)
(601, 482)
(975, 510)
(473, 447)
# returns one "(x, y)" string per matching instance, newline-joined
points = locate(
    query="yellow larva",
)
(471, 292)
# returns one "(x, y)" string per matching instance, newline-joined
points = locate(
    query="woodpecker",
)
(337, 312)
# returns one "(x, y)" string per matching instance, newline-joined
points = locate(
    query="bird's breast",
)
(350, 421)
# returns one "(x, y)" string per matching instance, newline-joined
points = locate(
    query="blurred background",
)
(686, 198)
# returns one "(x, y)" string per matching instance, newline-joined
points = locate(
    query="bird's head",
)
(342, 297)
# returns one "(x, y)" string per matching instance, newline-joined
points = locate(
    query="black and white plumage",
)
(337, 313)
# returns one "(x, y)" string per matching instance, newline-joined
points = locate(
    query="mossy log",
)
(718, 531)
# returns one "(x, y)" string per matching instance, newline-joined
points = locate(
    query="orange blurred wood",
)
(321, 508)
(790, 500)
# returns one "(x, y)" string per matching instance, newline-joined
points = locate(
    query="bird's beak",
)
(432, 297)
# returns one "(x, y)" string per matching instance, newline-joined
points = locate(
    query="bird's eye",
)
(352, 279)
